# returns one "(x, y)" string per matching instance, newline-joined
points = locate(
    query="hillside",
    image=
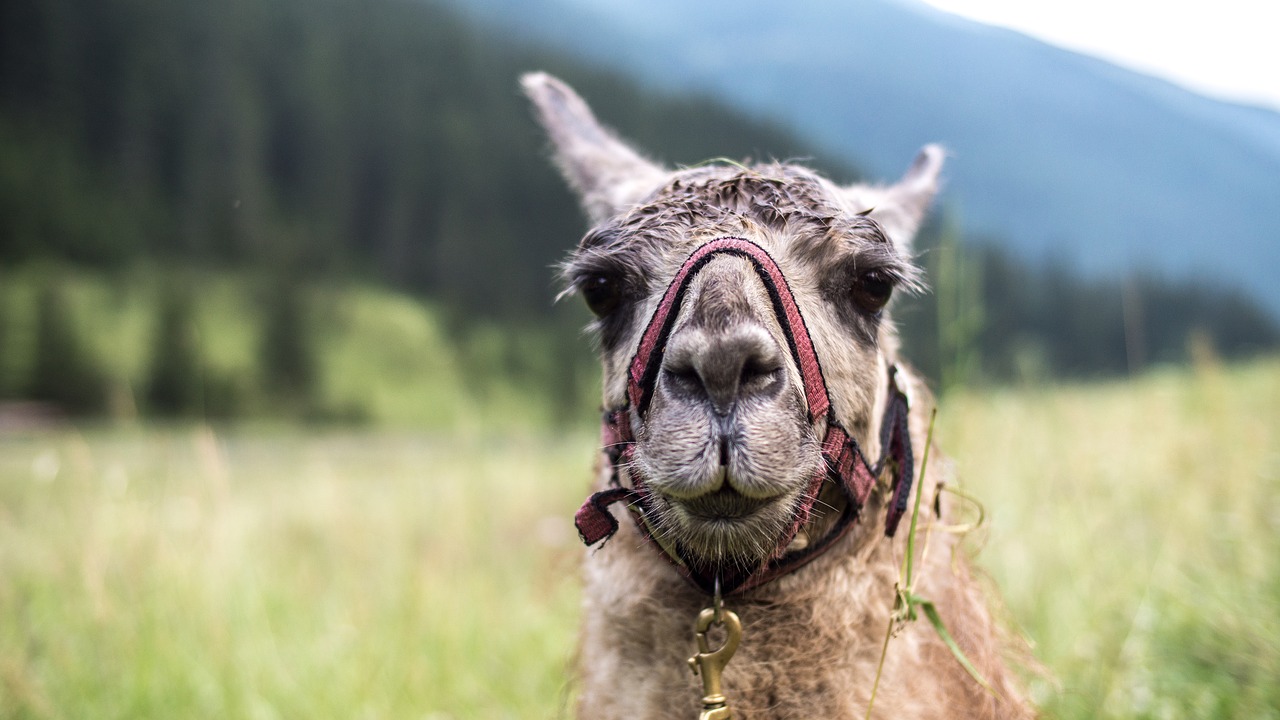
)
(1054, 153)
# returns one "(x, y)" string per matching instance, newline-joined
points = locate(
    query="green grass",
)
(178, 572)
(1135, 533)
(181, 574)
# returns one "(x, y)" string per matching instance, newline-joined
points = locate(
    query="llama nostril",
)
(758, 374)
(684, 378)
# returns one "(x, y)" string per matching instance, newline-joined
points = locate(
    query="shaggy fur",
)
(728, 447)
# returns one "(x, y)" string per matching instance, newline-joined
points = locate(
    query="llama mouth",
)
(726, 528)
(723, 504)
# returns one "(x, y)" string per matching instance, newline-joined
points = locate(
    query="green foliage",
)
(286, 356)
(232, 345)
(176, 373)
(992, 318)
(64, 370)
(9, 384)
(322, 141)
(54, 203)
(385, 142)
(385, 137)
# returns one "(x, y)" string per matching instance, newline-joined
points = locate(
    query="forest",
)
(302, 144)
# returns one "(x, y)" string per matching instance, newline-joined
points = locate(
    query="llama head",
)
(726, 442)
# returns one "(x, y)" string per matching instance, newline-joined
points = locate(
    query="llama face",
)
(726, 444)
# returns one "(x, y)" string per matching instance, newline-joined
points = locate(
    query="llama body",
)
(726, 449)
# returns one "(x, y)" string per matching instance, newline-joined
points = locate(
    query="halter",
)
(843, 461)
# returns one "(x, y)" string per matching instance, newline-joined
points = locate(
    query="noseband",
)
(843, 461)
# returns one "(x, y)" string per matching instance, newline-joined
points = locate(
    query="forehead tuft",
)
(774, 196)
(786, 199)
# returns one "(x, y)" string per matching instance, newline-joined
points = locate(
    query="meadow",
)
(268, 571)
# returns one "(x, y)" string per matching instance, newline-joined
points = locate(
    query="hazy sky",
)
(1225, 48)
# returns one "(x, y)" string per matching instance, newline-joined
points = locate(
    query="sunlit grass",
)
(179, 573)
(169, 572)
(1135, 533)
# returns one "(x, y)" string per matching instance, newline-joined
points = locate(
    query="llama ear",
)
(901, 207)
(607, 174)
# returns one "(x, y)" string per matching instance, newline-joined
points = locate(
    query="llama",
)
(751, 377)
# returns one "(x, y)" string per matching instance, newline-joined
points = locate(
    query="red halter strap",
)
(844, 462)
(644, 366)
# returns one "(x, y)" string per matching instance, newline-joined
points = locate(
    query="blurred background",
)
(290, 423)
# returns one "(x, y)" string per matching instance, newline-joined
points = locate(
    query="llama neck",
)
(802, 632)
(812, 641)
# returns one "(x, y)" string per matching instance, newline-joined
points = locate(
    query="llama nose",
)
(723, 367)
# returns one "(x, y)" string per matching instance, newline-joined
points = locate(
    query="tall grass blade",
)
(931, 612)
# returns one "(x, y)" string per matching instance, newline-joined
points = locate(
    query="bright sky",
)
(1225, 48)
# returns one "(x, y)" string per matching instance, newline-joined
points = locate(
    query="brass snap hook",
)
(710, 664)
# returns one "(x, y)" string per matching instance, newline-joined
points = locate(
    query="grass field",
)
(182, 572)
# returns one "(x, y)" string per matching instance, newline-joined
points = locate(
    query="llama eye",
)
(872, 290)
(602, 293)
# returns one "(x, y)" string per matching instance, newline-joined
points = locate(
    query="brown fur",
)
(728, 417)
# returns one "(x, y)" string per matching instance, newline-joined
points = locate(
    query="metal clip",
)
(710, 663)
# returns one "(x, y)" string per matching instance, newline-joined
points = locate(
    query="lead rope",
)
(708, 663)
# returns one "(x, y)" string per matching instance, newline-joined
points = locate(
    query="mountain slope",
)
(1056, 153)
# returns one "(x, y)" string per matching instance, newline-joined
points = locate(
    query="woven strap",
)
(646, 364)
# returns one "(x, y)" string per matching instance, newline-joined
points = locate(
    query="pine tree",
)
(65, 372)
(7, 359)
(175, 380)
(286, 353)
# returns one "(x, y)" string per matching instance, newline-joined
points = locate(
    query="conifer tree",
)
(285, 352)
(7, 359)
(175, 380)
(65, 371)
